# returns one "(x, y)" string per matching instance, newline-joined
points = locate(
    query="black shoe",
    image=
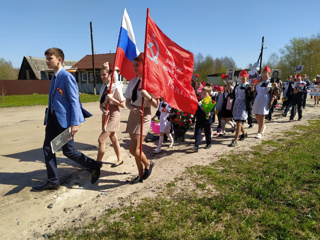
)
(136, 180)
(195, 149)
(147, 172)
(207, 146)
(299, 118)
(243, 136)
(250, 125)
(113, 165)
(96, 173)
(233, 129)
(284, 115)
(46, 186)
(232, 144)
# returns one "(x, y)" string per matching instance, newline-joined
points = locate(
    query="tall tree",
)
(301, 51)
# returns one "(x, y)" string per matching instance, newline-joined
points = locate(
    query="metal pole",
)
(94, 72)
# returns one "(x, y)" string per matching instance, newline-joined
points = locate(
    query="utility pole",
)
(94, 71)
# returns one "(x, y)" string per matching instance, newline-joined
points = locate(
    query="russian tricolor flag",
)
(126, 48)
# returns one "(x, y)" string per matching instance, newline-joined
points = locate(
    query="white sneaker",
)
(264, 128)
(171, 144)
(157, 151)
(258, 135)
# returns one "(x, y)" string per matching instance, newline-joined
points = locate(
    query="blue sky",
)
(218, 28)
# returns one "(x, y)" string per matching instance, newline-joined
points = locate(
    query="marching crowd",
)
(232, 104)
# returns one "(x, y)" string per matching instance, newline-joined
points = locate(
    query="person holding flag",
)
(116, 100)
(134, 96)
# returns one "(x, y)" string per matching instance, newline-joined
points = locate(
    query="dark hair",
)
(56, 52)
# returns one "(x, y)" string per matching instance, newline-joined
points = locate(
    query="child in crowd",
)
(289, 95)
(261, 102)
(226, 109)
(274, 96)
(218, 100)
(203, 121)
(163, 114)
(316, 82)
(241, 96)
(299, 89)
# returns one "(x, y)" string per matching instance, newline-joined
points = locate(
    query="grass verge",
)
(37, 99)
(270, 192)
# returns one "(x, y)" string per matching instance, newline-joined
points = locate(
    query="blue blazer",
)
(64, 95)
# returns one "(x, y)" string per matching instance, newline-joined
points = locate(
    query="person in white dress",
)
(165, 124)
(261, 102)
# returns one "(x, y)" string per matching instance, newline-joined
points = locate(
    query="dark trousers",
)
(198, 131)
(297, 103)
(250, 117)
(53, 129)
(271, 110)
(288, 105)
(305, 99)
(219, 122)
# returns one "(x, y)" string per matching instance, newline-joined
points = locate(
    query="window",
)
(84, 77)
(91, 77)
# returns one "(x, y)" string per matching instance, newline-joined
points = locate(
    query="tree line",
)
(7, 71)
(300, 51)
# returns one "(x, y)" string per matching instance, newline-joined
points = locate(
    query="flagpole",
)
(142, 84)
(113, 71)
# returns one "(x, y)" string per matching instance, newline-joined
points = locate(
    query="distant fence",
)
(24, 87)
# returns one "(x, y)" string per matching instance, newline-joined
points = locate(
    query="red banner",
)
(168, 70)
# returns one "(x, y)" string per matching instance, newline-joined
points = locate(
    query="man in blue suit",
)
(64, 111)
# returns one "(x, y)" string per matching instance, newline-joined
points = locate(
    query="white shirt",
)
(138, 101)
(116, 89)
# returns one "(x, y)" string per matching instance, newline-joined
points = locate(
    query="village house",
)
(33, 68)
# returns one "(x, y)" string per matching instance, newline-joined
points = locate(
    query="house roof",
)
(39, 64)
(99, 59)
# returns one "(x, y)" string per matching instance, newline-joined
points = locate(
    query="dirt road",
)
(34, 215)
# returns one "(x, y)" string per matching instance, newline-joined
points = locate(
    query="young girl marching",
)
(261, 102)
(133, 96)
(116, 100)
(226, 112)
(242, 96)
(163, 114)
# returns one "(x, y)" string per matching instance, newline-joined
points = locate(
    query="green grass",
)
(270, 192)
(37, 99)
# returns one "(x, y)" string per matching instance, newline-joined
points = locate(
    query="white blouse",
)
(116, 91)
(138, 101)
